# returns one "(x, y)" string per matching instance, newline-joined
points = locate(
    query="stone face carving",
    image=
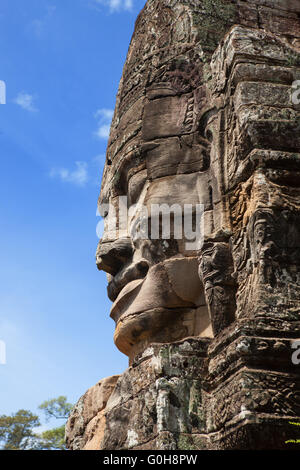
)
(159, 153)
(204, 115)
(216, 269)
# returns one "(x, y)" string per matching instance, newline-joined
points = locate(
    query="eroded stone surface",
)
(195, 394)
(205, 114)
(87, 420)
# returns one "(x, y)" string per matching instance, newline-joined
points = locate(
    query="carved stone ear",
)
(205, 119)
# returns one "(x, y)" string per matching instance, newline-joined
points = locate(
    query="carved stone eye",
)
(135, 186)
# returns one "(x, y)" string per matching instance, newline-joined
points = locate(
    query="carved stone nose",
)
(111, 256)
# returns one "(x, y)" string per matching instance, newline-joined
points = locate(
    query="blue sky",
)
(61, 61)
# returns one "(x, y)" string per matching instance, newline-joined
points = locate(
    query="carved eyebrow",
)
(122, 168)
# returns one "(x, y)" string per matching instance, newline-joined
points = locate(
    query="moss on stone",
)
(216, 18)
(185, 442)
(293, 60)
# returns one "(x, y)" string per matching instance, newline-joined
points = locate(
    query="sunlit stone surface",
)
(206, 113)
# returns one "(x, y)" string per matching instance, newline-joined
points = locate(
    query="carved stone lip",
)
(129, 273)
(125, 297)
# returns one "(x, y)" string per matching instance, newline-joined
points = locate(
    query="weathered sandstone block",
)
(205, 116)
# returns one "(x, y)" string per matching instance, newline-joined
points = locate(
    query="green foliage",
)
(57, 408)
(53, 439)
(17, 430)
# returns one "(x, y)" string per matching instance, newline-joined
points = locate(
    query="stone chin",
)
(166, 306)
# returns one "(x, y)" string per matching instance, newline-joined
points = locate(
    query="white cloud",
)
(26, 101)
(79, 176)
(104, 113)
(104, 117)
(128, 4)
(103, 131)
(39, 26)
(116, 5)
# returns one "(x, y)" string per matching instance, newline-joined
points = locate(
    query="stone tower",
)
(207, 119)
